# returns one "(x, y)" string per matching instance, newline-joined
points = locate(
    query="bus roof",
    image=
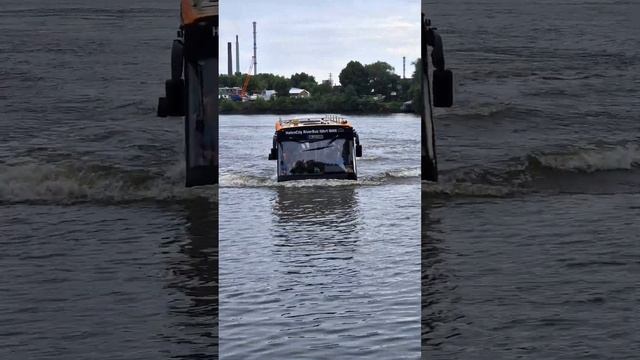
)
(192, 11)
(321, 121)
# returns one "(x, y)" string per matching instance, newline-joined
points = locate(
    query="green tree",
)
(403, 89)
(415, 91)
(281, 86)
(351, 97)
(354, 74)
(304, 81)
(381, 78)
(323, 89)
(299, 79)
(230, 81)
(256, 84)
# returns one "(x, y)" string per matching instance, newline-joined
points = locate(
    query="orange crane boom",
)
(245, 84)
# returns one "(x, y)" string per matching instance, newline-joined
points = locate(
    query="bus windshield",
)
(326, 156)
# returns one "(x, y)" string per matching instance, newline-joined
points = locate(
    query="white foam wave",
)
(405, 173)
(238, 180)
(465, 190)
(247, 180)
(620, 157)
(68, 183)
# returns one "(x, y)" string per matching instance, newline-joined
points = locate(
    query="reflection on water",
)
(315, 228)
(319, 272)
(194, 272)
(329, 208)
(437, 298)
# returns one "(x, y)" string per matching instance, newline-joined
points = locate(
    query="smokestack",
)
(404, 63)
(237, 55)
(229, 60)
(255, 60)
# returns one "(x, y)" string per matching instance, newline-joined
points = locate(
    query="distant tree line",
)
(371, 88)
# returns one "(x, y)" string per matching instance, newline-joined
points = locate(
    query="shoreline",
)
(288, 107)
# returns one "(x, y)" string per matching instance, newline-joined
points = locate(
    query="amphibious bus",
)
(315, 148)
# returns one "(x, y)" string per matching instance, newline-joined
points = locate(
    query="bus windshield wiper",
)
(324, 147)
(318, 148)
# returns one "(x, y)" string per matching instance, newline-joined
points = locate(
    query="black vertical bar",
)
(429, 160)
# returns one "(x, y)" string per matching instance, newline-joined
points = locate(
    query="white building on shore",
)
(299, 93)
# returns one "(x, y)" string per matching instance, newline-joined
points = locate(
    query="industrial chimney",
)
(404, 61)
(237, 56)
(255, 61)
(229, 60)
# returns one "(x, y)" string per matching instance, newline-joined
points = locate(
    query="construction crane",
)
(245, 84)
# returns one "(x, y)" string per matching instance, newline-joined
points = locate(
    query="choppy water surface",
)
(320, 269)
(104, 255)
(531, 239)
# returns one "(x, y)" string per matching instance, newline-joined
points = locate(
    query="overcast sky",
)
(320, 36)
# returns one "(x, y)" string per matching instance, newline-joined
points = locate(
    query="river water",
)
(530, 241)
(104, 255)
(530, 238)
(320, 269)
